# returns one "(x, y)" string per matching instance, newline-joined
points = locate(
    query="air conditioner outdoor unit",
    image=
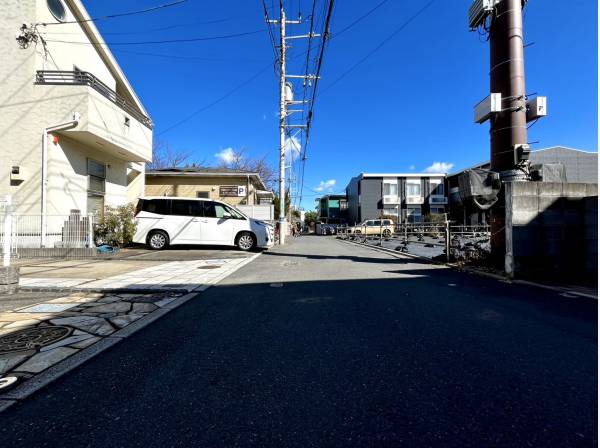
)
(479, 10)
(537, 108)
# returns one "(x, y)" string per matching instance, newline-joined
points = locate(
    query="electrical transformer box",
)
(488, 106)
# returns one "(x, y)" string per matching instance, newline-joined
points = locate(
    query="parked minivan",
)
(165, 221)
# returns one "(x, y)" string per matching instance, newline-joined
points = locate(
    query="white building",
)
(99, 160)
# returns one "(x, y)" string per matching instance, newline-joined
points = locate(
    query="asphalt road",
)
(327, 344)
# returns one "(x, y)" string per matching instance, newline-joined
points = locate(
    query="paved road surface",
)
(327, 344)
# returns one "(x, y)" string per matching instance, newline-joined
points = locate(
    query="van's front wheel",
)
(245, 241)
(158, 240)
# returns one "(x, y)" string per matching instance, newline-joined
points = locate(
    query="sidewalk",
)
(41, 329)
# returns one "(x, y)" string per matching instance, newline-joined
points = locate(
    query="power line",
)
(194, 58)
(112, 16)
(309, 118)
(381, 44)
(217, 101)
(193, 39)
(359, 19)
(151, 30)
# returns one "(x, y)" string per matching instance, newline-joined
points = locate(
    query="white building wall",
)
(26, 109)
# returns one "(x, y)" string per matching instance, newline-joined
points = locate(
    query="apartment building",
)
(333, 209)
(405, 196)
(75, 134)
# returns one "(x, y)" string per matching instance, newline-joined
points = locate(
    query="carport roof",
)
(206, 172)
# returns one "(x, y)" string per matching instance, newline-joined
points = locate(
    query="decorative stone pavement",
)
(181, 275)
(36, 337)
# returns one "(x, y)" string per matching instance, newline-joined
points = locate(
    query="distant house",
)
(404, 196)
(75, 135)
(580, 167)
(235, 187)
(333, 209)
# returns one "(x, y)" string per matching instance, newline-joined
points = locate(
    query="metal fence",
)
(453, 241)
(26, 236)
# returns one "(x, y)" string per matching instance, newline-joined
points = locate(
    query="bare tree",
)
(164, 156)
(240, 161)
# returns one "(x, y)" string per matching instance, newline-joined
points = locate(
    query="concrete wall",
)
(551, 230)
(580, 166)
(187, 186)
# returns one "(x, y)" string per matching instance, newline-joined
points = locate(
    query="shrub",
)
(116, 227)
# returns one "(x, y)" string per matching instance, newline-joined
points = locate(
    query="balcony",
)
(108, 122)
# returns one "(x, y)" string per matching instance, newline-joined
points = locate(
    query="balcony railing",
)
(79, 78)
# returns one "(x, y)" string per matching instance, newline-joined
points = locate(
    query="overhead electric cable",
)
(192, 39)
(112, 16)
(217, 101)
(381, 44)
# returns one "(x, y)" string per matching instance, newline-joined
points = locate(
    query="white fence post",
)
(90, 230)
(7, 239)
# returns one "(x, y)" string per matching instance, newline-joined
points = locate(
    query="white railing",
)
(25, 232)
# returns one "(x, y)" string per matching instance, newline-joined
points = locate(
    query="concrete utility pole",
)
(508, 131)
(284, 101)
(282, 120)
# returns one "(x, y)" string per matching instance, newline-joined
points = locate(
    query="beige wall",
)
(26, 109)
(188, 186)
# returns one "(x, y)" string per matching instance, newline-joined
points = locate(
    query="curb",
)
(475, 271)
(32, 385)
(69, 289)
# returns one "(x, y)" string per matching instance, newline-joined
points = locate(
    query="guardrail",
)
(80, 78)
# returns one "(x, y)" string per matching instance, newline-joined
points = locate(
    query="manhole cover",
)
(210, 266)
(32, 338)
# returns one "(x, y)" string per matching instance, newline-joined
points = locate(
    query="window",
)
(343, 205)
(202, 194)
(96, 186)
(390, 187)
(413, 214)
(181, 207)
(217, 210)
(437, 210)
(437, 187)
(413, 188)
(377, 222)
(158, 206)
(390, 211)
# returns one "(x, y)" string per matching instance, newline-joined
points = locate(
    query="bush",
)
(116, 227)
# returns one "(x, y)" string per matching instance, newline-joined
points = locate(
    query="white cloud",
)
(325, 185)
(292, 148)
(412, 167)
(439, 167)
(226, 155)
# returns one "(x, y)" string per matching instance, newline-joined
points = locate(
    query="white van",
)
(165, 221)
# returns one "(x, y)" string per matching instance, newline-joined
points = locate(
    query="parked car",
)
(169, 221)
(374, 227)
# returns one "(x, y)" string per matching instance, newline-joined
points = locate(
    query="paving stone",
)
(119, 307)
(85, 342)
(143, 307)
(9, 360)
(43, 360)
(66, 341)
(48, 308)
(90, 324)
(21, 323)
(13, 317)
(109, 299)
(77, 299)
(123, 321)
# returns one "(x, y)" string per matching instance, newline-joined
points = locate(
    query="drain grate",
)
(210, 266)
(32, 338)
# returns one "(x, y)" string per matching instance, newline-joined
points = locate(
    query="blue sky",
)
(407, 107)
